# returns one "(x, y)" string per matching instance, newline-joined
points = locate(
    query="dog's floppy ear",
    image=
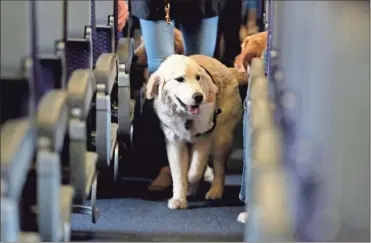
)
(208, 82)
(153, 85)
(213, 89)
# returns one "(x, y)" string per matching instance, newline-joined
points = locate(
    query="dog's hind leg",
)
(221, 150)
(209, 174)
(200, 152)
(178, 156)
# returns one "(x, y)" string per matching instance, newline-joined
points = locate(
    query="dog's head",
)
(252, 46)
(181, 84)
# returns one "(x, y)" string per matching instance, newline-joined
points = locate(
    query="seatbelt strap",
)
(35, 79)
(129, 31)
(65, 20)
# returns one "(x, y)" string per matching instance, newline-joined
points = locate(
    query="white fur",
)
(204, 121)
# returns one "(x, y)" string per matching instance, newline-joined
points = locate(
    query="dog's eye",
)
(198, 77)
(180, 79)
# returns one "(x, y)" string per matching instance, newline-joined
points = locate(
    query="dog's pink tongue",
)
(194, 110)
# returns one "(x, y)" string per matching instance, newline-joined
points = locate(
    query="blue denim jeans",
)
(247, 148)
(199, 38)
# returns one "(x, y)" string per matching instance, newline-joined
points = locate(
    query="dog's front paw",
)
(176, 203)
(242, 217)
(214, 193)
(188, 125)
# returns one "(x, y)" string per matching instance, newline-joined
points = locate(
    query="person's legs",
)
(218, 51)
(230, 21)
(247, 147)
(158, 37)
(200, 36)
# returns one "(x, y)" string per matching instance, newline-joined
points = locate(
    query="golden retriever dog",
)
(251, 47)
(197, 101)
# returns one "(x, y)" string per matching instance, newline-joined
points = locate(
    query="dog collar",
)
(216, 113)
(189, 124)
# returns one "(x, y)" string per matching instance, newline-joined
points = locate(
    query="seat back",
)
(18, 58)
(50, 24)
(78, 16)
(81, 35)
(105, 27)
(80, 19)
(18, 65)
(103, 10)
(15, 48)
(115, 21)
(15, 37)
(50, 30)
(324, 106)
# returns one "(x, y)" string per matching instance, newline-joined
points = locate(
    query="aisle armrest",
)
(80, 95)
(17, 151)
(80, 92)
(51, 124)
(124, 52)
(105, 75)
(51, 121)
(91, 159)
(106, 72)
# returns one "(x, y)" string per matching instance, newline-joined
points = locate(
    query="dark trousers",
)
(229, 26)
(149, 146)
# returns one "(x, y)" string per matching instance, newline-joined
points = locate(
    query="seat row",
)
(66, 109)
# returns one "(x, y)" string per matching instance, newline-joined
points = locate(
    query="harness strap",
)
(208, 73)
(216, 113)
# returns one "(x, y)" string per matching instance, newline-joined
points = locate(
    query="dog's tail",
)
(240, 76)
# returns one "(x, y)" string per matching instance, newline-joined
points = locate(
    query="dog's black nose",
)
(198, 97)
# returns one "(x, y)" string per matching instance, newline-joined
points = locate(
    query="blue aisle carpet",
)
(134, 216)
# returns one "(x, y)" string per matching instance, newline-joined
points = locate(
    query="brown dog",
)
(197, 101)
(252, 46)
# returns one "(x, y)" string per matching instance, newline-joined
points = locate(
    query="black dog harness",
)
(216, 113)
